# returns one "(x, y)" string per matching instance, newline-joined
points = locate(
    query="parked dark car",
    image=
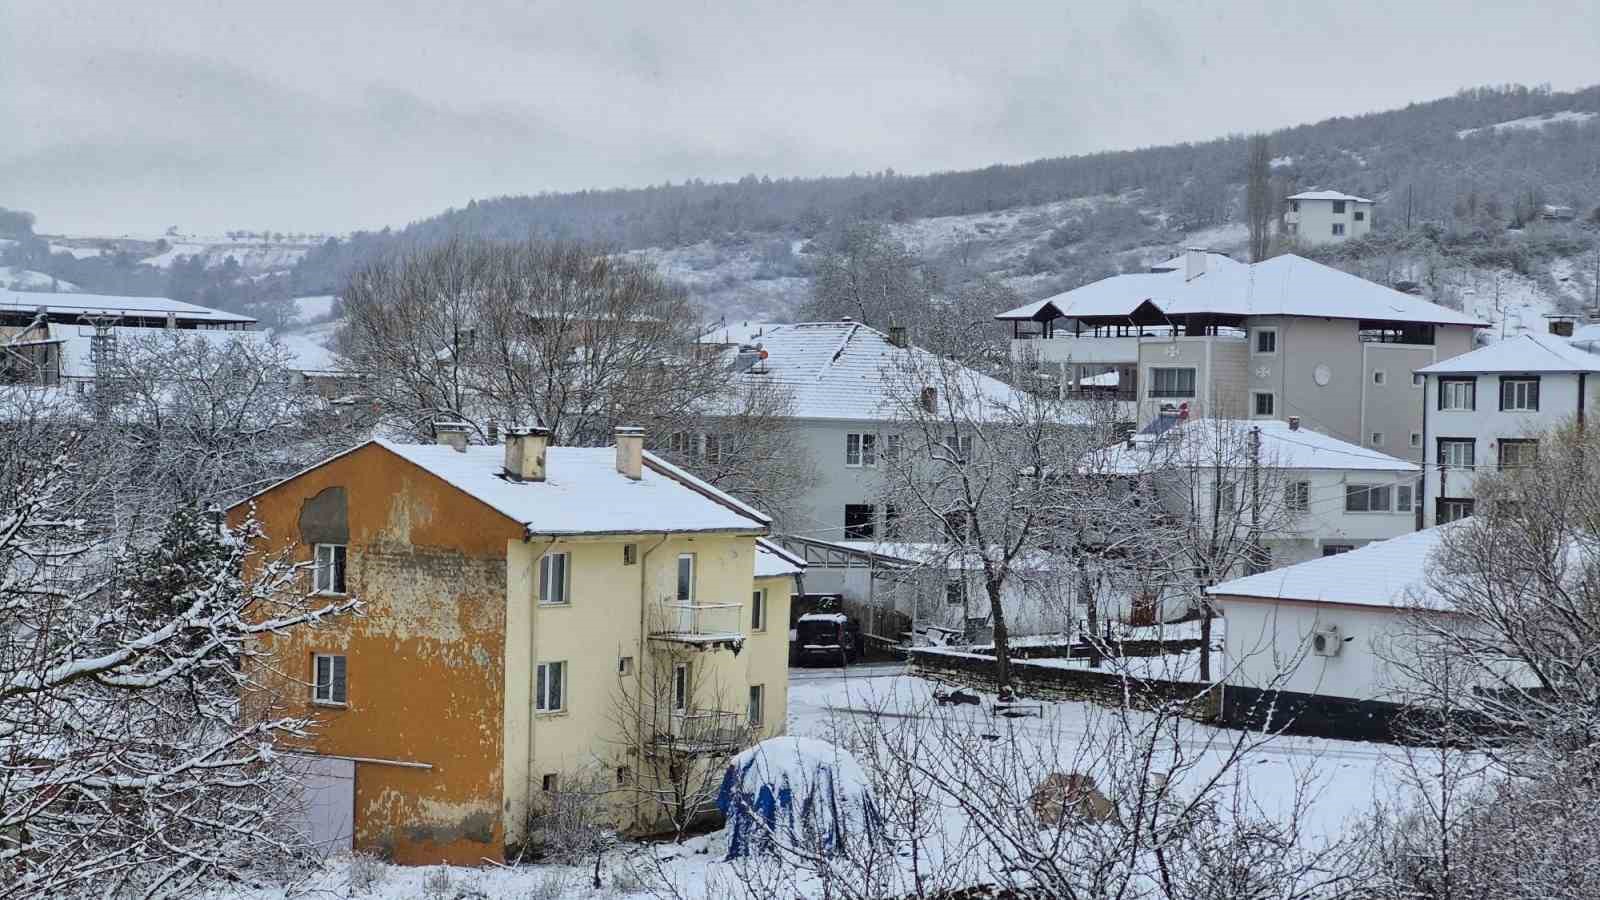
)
(825, 637)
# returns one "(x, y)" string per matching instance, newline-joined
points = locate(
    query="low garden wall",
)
(1108, 688)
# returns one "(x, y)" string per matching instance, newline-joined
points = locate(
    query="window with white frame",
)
(1297, 496)
(1404, 495)
(1457, 453)
(550, 687)
(1261, 403)
(1451, 509)
(758, 705)
(685, 577)
(555, 579)
(1171, 382)
(1338, 208)
(1338, 228)
(1226, 496)
(329, 682)
(1518, 453)
(1266, 342)
(681, 687)
(1367, 498)
(891, 446)
(860, 450)
(1458, 393)
(328, 577)
(1519, 394)
(758, 610)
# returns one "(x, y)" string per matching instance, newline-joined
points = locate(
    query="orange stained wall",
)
(425, 659)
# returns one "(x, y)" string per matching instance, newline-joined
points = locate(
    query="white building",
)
(1279, 338)
(1326, 217)
(1313, 647)
(1484, 410)
(1329, 496)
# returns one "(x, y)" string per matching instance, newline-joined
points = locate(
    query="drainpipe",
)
(638, 671)
(533, 669)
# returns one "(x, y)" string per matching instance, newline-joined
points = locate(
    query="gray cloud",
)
(305, 115)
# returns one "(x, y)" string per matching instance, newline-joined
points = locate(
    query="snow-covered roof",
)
(1181, 261)
(773, 561)
(1282, 447)
(1328, 195)
(930, 553)
(82, 304)
(1285, 285)
(1391, 573)
(736, 333)
(1520, 353)
(845, 370)
(583, 493)
(77, 342)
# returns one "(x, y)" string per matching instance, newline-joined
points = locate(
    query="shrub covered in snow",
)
(798, 792)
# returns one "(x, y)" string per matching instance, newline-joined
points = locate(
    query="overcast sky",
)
(291, 115)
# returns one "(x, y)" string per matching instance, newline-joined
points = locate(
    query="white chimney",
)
(1194, 263)
(1294, 423)
(451, 434)
(525, 448)
(630, 451)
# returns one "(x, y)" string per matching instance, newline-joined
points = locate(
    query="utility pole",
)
(1256, 561)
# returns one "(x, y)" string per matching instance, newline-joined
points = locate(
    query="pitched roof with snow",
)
(1521, 353)
(1327, 195)
(773, 561)
(1285, 285)
(1282, 447)
(583, 493)
(1391, 573)
(846, 370)
(23, 302)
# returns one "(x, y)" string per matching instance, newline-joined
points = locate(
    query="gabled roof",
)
(845, 370)
(583, 493)
(1521, 353)
(1391, 573)
(26, 302)
(1281, 448)
(1285, 285)
(1327, 195)
(773, 561)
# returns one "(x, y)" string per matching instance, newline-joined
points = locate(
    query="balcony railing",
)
(699, 623)
(704, 731)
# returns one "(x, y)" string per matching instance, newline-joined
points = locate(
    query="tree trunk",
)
(1002, 638)
(1205, 641)
(1093, 636)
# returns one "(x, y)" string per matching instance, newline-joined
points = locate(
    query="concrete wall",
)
(821, 512)
(1211, 357)
(1267, 646)
(425, 680)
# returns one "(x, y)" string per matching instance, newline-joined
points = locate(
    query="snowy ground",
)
(1345, 779)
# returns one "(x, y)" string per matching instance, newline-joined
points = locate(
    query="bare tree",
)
(129, 767)
(1260, 203)
(483, 332)
(984, 472)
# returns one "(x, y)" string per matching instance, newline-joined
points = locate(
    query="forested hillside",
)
(1468, 166)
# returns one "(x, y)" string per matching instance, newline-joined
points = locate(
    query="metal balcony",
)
(703, 732)
(700, 624)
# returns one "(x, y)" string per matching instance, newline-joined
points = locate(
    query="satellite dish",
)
(1322, 375)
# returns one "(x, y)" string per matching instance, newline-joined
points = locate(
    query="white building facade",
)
(1325, 217)
(1486, 410)
(1205, 334)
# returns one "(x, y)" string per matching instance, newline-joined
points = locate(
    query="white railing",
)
(698, 622)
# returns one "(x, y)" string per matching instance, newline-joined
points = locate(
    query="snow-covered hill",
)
(19, 279)
(1532, 123)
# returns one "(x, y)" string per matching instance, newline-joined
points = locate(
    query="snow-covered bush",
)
(798, 793)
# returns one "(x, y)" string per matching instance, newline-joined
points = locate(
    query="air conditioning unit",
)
(1326, 641)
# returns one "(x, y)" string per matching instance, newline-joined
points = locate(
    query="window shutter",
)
(1533, 394)
(338, 570)
(544, 579)
(322, 679)
(1504, 386)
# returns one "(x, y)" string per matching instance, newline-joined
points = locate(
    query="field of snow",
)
(19, 279)
(1344, 780)
(253, 257)
(1532, 123)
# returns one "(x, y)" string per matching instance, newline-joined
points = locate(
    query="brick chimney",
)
(630, 451)
(1294, 423)
(451, 434)
(525, 448)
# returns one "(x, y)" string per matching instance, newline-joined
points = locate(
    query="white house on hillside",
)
(1329, 496)
(1326, 217)
(1279, 338)
(1484, 410)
